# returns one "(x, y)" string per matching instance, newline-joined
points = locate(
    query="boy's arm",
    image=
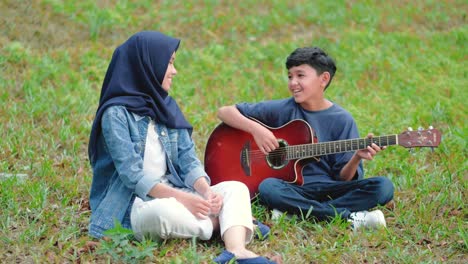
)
(264, 138)
(349, 170)
(233, 117)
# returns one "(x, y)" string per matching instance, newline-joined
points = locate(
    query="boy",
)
(334, 185)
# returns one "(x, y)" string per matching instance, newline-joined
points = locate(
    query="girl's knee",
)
(233, 187)
(238, 186)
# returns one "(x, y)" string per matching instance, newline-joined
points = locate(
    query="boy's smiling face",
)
(306, 85)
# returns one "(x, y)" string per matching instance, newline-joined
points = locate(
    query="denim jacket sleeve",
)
(189, 166)
(125, 145)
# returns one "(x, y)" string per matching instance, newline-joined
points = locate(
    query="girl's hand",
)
(198, 206)
(216, 202)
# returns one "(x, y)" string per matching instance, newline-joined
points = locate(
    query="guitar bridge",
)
(245, 158)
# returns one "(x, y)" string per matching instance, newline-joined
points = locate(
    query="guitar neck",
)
(332, 147)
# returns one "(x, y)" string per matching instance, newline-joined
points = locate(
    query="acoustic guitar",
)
(232, 154)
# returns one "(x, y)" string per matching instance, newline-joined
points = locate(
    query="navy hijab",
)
(134, 78)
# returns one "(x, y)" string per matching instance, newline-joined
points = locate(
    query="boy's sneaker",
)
(277, 215)
(365, 219)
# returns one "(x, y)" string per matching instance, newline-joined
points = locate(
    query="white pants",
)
(168, 218)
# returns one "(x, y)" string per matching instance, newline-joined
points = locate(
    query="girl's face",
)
(170, 73)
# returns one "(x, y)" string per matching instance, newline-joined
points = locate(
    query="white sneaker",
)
(276, 214)
(365, 219)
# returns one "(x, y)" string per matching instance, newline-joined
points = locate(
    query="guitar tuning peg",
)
(410, 129)
(431, 127)
(420, 128)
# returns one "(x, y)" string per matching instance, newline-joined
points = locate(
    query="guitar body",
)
(233, 155)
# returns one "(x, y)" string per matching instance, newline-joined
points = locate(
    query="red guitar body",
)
(232, 154)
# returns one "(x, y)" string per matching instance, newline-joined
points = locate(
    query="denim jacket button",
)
(163, 134)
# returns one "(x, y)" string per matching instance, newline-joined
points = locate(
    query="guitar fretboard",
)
(332, 147)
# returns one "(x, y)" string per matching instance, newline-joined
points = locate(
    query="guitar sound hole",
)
(277, 158)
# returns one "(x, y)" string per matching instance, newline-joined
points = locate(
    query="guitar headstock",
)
(420, 138)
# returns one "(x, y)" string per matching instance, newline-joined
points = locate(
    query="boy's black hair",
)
(315, 57)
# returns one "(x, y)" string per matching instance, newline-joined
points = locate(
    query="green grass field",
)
(400, 63)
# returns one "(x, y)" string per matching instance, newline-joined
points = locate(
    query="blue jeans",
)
(327, 199)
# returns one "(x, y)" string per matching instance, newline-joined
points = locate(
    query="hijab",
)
(134, 79)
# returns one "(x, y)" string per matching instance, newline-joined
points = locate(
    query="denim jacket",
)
(118, 170)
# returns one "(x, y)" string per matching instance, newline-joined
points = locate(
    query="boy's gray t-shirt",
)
(331, 124)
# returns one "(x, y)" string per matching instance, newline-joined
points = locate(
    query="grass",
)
(400, 63)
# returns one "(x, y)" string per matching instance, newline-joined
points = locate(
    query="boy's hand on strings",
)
(265, 139)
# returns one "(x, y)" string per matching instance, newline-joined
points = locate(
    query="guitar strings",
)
(285, 151)
(258, 154)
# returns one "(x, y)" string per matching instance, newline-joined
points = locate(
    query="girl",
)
(145, 171)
